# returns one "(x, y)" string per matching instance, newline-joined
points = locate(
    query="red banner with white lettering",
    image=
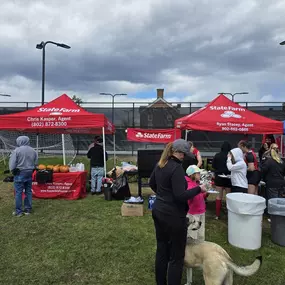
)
(154, 136)
(70, 186)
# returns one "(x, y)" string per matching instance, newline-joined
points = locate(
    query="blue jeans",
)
(22, 182)
(97, 174)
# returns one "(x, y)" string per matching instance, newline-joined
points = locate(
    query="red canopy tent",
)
(223, 115)
(61, 115)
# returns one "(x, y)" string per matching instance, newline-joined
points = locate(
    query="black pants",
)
(171, 236)
(237, 189)
(271, 193)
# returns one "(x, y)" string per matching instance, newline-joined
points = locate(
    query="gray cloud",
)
(193, 48)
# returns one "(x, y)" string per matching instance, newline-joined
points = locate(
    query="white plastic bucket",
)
(245, 213)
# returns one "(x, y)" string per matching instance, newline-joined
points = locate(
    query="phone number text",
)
(233, 129)
(49, 124)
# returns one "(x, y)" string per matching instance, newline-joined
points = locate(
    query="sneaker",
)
(134, 200)
(27, 213)
(269, 220)
(17, 215)
(217, 218)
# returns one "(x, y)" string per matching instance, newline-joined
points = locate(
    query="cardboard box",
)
(132, 210)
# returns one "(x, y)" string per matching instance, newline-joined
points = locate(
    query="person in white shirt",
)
(237, 166)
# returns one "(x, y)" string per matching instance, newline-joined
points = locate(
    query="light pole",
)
(113, 101)
(42, 46)
(233, 95)
(282, 43)
(5, 95)
(114, 138)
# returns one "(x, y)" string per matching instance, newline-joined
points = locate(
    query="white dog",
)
(215, 262)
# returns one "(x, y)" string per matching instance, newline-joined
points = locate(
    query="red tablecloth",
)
(70, 186)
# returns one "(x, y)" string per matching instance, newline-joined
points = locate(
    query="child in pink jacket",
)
(197, 205)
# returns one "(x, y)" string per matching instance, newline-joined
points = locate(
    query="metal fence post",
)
(133, 127)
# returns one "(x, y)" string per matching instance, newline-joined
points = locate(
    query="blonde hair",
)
(274, 154)
(168, 152)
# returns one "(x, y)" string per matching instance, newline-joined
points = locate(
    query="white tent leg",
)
(186, 134)
(104, 151)
(114, 149)
(63, 149)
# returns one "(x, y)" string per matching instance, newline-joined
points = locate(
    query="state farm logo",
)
(230, 114)
(57, 111)
(153, 135)
(227, 108)
(139, 135)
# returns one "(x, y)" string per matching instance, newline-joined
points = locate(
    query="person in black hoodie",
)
(273, 172)
(169, 212)
(96, 155)
(220, 166)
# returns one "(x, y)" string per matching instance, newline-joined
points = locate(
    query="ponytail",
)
(167, 152)
(275, 156)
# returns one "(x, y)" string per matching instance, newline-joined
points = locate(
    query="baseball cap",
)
(181, 146)
(99, 140)
(192, 169)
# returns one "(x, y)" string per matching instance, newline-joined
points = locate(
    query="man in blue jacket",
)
(23, 161)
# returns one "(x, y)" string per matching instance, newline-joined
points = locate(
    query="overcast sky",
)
(192, 49)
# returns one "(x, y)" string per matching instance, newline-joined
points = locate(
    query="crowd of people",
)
(246, 171)
(179, 193)
(241, 170)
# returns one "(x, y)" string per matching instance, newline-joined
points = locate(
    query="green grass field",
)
(88, 242)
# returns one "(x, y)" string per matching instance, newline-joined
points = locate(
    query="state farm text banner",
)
(154, 136)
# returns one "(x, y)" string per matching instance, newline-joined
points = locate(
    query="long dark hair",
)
(226, 147)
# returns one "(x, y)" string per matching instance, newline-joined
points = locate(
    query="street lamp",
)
(282, 43)
(114, 138)
(5, 95)
(42, 46)
(113, 101)
(233, 95)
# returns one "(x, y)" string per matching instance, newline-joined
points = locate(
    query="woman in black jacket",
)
(169, 212)
(220, 166)
(273, 172)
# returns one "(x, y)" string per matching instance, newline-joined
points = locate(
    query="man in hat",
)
(96, 156)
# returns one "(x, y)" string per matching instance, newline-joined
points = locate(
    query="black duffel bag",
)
(121, 189)
(44, 176)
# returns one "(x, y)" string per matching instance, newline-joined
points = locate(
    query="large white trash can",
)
(245, 213)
